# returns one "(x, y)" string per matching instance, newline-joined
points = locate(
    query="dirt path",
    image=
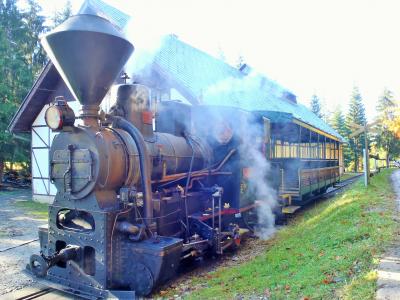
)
(389, 266)
(16, 228)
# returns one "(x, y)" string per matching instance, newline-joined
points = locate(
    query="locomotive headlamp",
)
(53, 118)
(59, 115)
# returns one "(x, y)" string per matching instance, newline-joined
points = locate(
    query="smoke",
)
(238, 129)
(147, 43)
(259, 185)
(247, 93)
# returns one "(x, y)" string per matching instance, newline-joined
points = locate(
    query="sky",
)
(309, 46)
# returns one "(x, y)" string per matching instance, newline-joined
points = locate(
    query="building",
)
(177, 71)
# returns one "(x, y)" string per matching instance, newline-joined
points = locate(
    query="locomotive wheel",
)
(142, 281)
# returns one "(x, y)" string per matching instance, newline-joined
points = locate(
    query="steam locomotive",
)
(132, 202)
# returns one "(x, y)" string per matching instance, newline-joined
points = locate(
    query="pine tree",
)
(356, 115)
(384, 138)
(34, 21)
(63, 14)
(19, 63)
(315, 106)
(338, 122)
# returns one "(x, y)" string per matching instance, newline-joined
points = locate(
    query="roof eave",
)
(12, 127)
(318, 130)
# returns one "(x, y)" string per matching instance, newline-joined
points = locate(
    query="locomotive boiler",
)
(131, 202)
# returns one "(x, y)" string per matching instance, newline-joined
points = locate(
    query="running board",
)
(291, 209)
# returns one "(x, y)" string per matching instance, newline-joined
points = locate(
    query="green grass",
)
(34, 208)
(328, 252)
(9, 192)
(347, 176)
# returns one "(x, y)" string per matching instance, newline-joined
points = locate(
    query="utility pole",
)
(366, 167)
(359, 130)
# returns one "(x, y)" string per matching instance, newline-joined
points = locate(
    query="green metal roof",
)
(207, 80)
(102, 9)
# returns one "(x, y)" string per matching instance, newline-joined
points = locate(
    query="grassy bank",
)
(328, 252)
(34, 208)
(348, 175)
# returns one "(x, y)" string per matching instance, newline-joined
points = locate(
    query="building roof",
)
(102, 9)
(207, 80)
(35, 100)
(198, 76)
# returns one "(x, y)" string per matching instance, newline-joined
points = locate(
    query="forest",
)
(383, 138)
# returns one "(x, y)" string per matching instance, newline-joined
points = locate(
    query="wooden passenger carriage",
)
(307, 159)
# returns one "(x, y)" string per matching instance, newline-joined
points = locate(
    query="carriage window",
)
(328, 150)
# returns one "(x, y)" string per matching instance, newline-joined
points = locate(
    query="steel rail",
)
(37, 294)
(340, 185)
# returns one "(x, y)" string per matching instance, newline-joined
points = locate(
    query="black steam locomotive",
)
(133, 202)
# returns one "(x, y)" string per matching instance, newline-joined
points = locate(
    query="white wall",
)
(41, 141)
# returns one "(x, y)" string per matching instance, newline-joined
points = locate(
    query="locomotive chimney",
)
(89, 53)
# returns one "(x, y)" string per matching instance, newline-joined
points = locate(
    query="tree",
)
(356, 115)
(63, 14)
(394, 124)
(338, 122)
(20, 60)
(384, 138)
(34, 22)
(315, 106)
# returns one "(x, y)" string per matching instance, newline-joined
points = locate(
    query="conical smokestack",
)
(89, 53)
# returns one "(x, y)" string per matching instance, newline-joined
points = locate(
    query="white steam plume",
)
(235, 92)
(147, 43)
(259, 186)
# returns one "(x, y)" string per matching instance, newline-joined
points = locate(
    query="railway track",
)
(39, 292)
(34, 295)
(337, 188)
